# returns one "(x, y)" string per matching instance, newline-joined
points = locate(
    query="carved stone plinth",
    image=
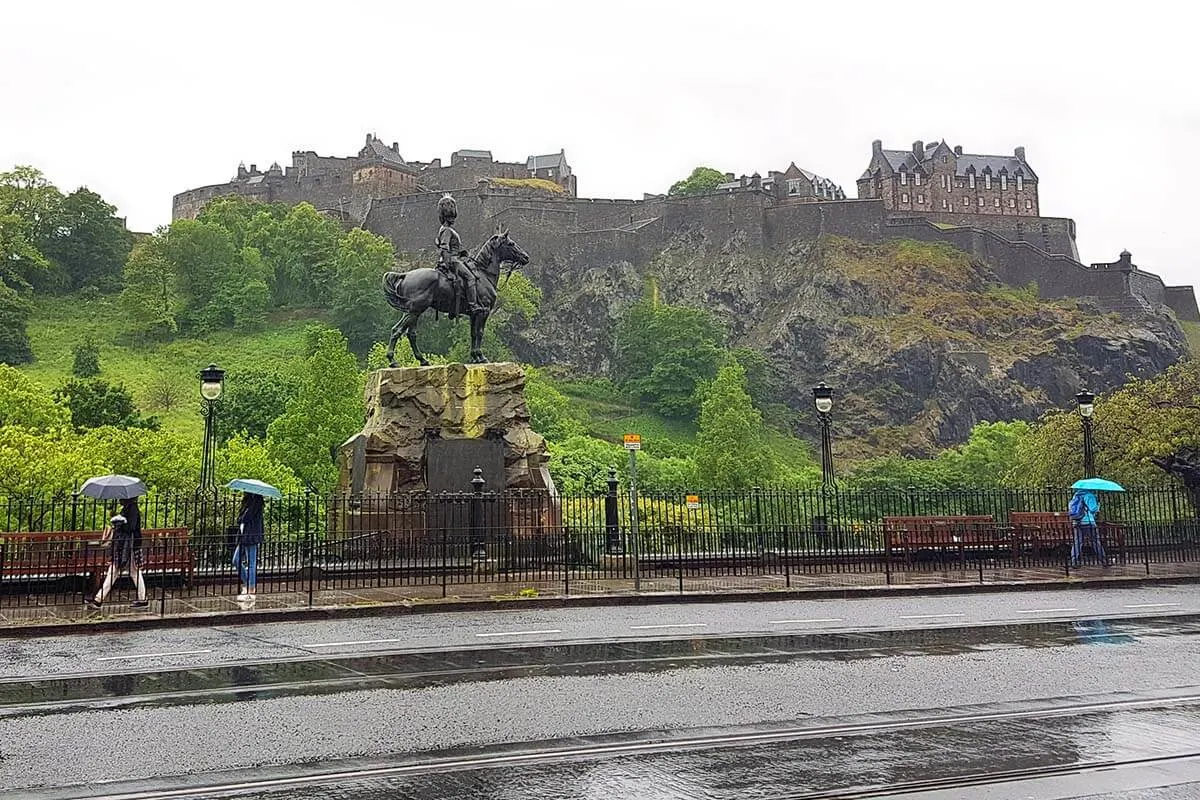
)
(481, 406)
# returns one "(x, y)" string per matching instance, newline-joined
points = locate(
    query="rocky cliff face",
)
(920, 341)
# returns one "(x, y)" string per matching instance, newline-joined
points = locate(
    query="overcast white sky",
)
(139, 101)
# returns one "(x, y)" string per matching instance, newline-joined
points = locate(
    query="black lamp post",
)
(212, 382)
(1087, 408)
(823, 400)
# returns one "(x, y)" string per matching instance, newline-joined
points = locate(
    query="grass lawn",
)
(59, 323)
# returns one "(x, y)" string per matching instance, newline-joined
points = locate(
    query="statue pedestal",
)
(426, 425)
(411, 468)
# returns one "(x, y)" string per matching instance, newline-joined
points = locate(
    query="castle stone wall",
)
(862, 220)
(1182, 300)
(1019, 263)
(1052, 234)
(1148, 286)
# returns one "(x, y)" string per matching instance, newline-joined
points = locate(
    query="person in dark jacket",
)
(250, 536)
(125, 553)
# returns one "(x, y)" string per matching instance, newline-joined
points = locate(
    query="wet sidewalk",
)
(209, 602)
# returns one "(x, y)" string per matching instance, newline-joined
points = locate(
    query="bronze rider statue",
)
(451, 254)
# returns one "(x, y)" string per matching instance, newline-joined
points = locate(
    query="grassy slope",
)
(1192, 331)
(59, 323)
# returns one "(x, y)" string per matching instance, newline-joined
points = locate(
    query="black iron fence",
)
(51, 553)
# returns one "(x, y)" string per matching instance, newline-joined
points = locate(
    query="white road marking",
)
(671, 625)
(154, 655)
(800, 621)
(1152, 605)
(349, 644)
(520, 633)
(929, 616)
(1045, 610)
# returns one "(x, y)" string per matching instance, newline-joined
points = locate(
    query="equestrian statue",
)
(458, 278)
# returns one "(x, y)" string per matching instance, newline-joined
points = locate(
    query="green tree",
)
(206, 264)
(253, 399)
(702, 179)
(664, 353)
(301, 251)
(241, 218)
(151, 295)
(15, 311)
(88, 244)
(26, 193)
(987, 458)
(327, 410)
(1143, 420)
(85, 359)
(730, 449)
(550, 411)
(245, 457)
(21, 263)
(247, 295)
(28, 404)
(96, 403)
(359, 308)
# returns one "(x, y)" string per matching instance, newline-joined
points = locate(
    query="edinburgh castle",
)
(986, 205)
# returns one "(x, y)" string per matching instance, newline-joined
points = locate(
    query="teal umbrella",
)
(1098, 485)
(251, 486)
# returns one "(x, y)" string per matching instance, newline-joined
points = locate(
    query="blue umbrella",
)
(1098, 485)
(113, 487)
(251, 486)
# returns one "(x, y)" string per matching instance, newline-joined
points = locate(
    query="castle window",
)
(917, 178)
(903, 178)
(945, 203)
(987, 181)
(981, 202)
(971, 179)
(1012, 203)
(997, 203)
(1003, 182)
(904, 197)
(966, 201)
(1020, 183)
(921, 199)
(945, 159)
(1028, 204)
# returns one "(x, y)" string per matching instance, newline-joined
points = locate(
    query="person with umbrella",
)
(123, 533)
(1082, 510)
(250, 532)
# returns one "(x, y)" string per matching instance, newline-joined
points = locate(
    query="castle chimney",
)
(1020, 153)
(254, 169)
(395, 147)
(877, 147)
(919, 150)
(756, 181)
(958, 149)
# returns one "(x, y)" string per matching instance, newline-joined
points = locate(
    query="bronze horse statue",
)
(418, 290)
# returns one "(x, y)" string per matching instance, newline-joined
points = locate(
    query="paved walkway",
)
(203, 601)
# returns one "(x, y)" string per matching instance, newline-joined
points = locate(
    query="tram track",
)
(281, 779)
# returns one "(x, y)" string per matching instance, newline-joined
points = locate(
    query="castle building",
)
(936, 178)
(793, 183)
(346, 186)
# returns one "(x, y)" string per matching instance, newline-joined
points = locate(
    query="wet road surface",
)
(921, 705)
(151, 649)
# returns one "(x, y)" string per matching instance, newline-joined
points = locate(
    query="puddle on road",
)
(249, 681)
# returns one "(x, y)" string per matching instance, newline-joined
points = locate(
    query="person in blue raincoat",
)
(1083, 508)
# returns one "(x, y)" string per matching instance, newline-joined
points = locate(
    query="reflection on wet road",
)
(1074, 708)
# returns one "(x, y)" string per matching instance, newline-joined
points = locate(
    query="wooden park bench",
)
(41, 555)
(1049, 530)
(958, 533)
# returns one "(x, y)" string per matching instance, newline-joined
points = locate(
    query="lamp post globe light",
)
(823, 400)
(212, 384)
(1086, 401)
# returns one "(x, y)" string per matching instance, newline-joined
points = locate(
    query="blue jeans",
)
(1082, 534)
(245, 558)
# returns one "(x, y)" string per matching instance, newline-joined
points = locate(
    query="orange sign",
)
(693, 501)
(633, 441)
